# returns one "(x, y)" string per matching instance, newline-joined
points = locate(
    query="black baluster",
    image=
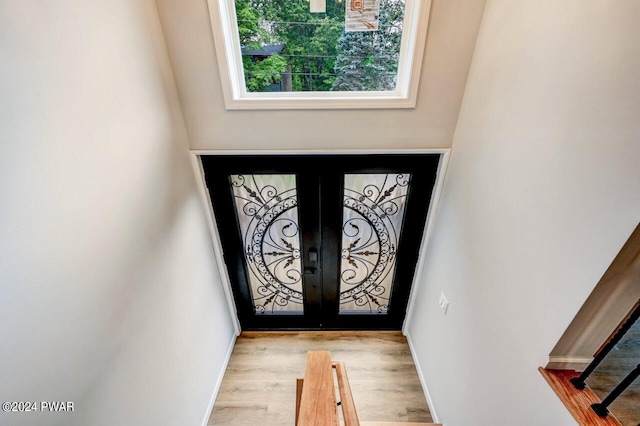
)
(602, 409)
(578, 382)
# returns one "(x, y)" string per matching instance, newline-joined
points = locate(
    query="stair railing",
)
(602, 408)
(579, 382)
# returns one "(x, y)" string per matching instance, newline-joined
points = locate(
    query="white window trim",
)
(227, 45)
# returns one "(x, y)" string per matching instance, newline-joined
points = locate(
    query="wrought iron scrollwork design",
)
(370, 233)
(268, 221)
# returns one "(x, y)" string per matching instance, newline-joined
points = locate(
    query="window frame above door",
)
(229, 58)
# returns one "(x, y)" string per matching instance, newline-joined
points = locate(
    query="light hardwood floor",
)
(259, 386)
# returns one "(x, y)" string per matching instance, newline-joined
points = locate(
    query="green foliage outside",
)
(369, 60)
(321, 56)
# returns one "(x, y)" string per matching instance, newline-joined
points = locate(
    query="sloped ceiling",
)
(451, 38)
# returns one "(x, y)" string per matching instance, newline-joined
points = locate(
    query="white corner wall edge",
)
(216, 387)
(433, 210)
(423, 382)
(436, 195)
(215, 236)
(215, 241)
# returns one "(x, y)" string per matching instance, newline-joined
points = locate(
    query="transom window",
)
(287, 54)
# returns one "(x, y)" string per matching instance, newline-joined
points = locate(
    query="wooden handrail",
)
(348, 406)
(316, 396)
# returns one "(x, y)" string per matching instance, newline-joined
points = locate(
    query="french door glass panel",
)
(374, 206)
(320, 241)
(266, 208)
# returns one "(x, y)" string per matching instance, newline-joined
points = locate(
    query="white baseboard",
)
(425, 389)
(577, 363)
(216, 388)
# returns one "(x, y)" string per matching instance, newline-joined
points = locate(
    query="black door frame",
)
(322, 288)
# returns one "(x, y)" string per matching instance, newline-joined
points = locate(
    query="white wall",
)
(543, 190)
(109, 293)
(452, 33)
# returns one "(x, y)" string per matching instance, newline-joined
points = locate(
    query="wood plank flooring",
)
(259, 386)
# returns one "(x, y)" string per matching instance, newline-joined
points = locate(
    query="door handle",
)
(312, 261)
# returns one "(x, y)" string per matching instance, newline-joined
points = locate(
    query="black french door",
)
(321, 241)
